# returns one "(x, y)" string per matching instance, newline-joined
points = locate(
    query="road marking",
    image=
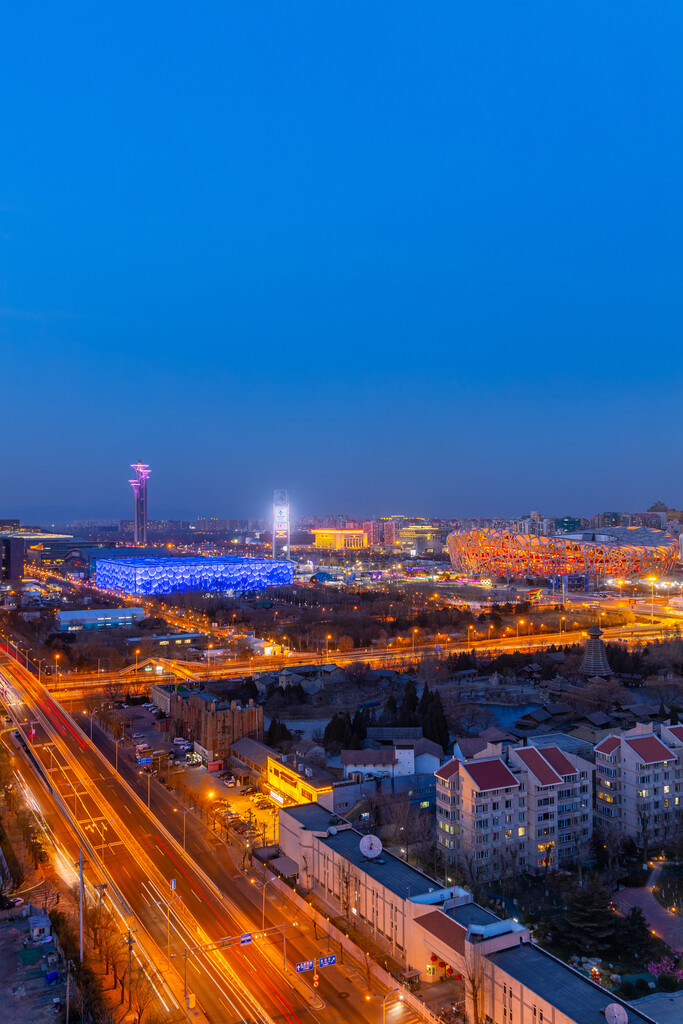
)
(127, 808)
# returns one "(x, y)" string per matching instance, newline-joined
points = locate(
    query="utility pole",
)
(80, 887)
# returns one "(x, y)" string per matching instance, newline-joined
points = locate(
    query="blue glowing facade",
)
(180, 575)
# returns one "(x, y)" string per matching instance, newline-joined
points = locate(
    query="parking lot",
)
(234, 810)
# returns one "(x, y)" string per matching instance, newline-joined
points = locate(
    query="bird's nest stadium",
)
(622, 551)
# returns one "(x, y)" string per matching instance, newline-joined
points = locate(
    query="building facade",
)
(531, 811)
(213, 723)
(98, 618)
(639, 783)
(340, 539)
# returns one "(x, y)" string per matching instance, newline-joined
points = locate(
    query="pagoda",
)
(595, 661)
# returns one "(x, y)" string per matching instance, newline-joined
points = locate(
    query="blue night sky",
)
(395, 257)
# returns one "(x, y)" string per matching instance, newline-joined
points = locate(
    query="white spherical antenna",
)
(332, 830)
(615, 1013)
(370, 846)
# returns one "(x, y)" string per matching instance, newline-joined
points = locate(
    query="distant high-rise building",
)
(373, 530)
(11, 558)
(567, 524)
(389, 532)
(139, 486)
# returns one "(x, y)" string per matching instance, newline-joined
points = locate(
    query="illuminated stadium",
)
(623, 551)
(184, 575)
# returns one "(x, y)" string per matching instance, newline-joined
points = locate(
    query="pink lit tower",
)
(139, 486)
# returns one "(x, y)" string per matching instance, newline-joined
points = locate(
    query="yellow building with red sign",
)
(296, 783)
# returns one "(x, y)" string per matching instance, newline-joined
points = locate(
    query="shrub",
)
(667, 983)
(628, 989)
(642, 985)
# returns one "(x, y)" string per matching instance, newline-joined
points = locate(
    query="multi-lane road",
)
(140, 854)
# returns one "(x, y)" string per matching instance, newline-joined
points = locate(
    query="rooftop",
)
(252, 750)
(582, 1001)
(677, 731)
(533, 759)
(488, 775)
(608, 745)
(650, 749)
(446, 771)
(390, 871)
(557, 760)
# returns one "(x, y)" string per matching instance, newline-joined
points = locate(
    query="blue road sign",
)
(144, 760)
(305, 965)
(172, 883)
(245, 939)
(327, 961)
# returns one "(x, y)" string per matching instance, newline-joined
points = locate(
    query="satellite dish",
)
(615, 1013)
(371, 847)
(332, 830)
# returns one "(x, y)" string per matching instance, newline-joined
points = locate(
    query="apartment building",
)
(639, 782)
(529, 809)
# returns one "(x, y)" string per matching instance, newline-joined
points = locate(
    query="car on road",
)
(16, 901)
(138, 736)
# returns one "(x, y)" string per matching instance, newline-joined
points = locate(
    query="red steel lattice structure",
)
(621, 552)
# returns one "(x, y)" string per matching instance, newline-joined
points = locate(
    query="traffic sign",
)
(245, 939)
(144, 760)
(305, 965)
(172, 883)
(327, 961)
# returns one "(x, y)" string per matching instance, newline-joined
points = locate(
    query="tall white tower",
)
(139, 486)
(280, 524)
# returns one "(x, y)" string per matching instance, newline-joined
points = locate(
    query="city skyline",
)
(431, 263)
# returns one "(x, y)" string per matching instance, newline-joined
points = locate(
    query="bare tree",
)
(474, 983)
(142, 991)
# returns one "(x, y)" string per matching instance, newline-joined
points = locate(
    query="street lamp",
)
(414, 632)
(384, 1002)
(184, 813)
(327, 646)
(137, 651)
(168, 904)
(520, 622)
(652, 580)
(262, 886)
(562, 619)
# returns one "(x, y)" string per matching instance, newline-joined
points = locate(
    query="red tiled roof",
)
(445, 929)
(650, 749)
(447, 771)
(557, 760)
(490, 774)
(538, 766)
(677, 731)
(608, 745)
